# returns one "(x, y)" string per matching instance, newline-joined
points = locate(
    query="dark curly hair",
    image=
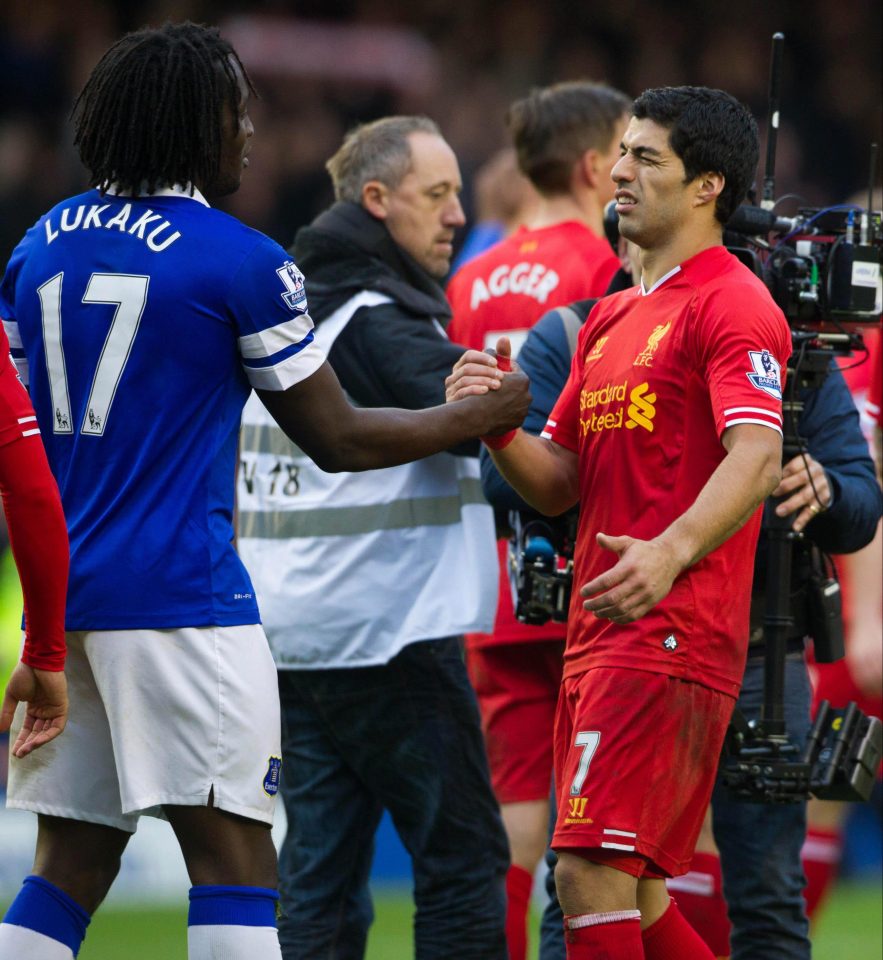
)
(712, 132)
(151, 112)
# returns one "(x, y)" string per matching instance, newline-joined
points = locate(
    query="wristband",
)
(500, 441)
(503, 439)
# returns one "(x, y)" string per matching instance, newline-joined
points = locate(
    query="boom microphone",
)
(754, 221)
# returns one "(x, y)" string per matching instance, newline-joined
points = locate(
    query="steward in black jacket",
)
(393, 354)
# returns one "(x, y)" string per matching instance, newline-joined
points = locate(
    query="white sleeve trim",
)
(265, 343)
(763, 410)
(287, 372)
(762, 423)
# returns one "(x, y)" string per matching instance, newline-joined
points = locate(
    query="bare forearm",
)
(316, 415)
(543, 473)
(386, 436)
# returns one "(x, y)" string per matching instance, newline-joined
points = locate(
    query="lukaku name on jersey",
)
(88, 217)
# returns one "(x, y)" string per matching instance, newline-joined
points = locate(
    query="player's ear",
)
(708, 188)
(589, 165)
(375, 199)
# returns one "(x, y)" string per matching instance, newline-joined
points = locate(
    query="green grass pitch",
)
(850, 928)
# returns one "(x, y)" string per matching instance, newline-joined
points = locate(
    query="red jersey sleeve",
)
(742, 345)
(37, 531)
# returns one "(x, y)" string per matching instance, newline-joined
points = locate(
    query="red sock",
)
(519, 883)
(605, 936)
(700, 899)
(821, 858)
(672, 938)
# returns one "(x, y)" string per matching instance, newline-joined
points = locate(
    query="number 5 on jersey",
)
(129, 293)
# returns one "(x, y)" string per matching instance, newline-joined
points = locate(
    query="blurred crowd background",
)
(321, 66)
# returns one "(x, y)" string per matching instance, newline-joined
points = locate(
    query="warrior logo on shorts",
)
(271, 778)
(295, 294)
(670, 642)
(767, 373)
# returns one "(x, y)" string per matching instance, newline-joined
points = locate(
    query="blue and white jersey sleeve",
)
(268, 304)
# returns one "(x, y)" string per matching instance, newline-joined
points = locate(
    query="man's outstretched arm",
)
(317, 416)
(646, 569)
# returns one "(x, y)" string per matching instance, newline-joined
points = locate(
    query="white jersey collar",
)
(659, 282)
(174, 190)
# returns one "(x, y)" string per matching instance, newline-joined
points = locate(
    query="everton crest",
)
(271, 778)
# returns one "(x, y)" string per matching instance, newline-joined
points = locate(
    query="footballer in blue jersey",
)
(141, 318)
(145, 322)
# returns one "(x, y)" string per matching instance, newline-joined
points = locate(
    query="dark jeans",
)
(759, 846)
(406, 737)
(760, 843)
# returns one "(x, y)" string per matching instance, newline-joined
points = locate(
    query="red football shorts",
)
(636, 755)
(517, 686)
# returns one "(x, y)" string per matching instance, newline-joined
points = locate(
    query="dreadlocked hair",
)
(151, 111)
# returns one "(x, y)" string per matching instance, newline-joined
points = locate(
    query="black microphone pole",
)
(769, 178)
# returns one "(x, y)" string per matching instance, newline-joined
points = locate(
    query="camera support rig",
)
(825, 283)
(842, 752)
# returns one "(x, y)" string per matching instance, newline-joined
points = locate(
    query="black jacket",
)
(393, 354)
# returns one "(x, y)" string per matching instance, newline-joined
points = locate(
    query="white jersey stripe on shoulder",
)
(764, 410)
(26, 419)
(620, 833)
(546, 435)
(265, 343)
(618, 846)
(30, 433)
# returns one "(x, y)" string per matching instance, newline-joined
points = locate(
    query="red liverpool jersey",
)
(504, 292)
(656, 380)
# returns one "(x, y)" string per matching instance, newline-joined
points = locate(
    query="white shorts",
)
(159, 717)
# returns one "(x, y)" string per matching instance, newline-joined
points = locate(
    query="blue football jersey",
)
(140, 325)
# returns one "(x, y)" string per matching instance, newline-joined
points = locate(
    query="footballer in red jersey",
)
(657, 378)
(668, 435)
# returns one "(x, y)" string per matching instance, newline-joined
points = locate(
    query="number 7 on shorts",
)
(588, 740)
